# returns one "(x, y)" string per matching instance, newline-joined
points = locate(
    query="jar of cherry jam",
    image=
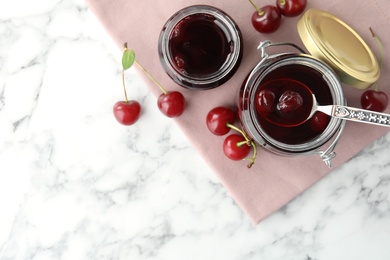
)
(280, 88)
(273, 77)
(200, 47)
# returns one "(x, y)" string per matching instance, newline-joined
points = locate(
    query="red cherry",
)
(171, 104)
(268, 20)
(291, 8)
(374, 100)
(127, 113)
(289, 103)
(265, 101)
(234, 149)
(218, 118)
(319, 121)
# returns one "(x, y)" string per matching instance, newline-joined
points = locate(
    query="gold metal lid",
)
(337, 44)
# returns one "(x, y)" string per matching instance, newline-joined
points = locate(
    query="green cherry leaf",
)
(128, 58)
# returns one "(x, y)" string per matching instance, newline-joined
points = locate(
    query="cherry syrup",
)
(276, 122)
(198, 45)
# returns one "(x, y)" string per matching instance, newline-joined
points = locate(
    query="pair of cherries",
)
(127, 112)
(268, 18)
(220, 120)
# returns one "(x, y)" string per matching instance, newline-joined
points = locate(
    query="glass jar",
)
(297, 140)
(337, 54)
(200, 47)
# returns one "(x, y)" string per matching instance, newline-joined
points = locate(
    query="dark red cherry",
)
(235, 147)
(268, 20)
(319, 121)
(127, 113)
(374, 100)
(289, 103)
(265, 101)
(291, 8)
(218, 118)
(180, 61)
(171, 104)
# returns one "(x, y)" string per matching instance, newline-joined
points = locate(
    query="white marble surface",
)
(74, 184)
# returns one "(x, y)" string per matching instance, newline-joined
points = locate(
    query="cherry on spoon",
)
(284, 102)
(300, 116)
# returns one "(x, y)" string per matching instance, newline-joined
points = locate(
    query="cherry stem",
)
(247, 141)
(151, 77)
(380, 56)
(123, 77)
(259, 11)
(252, 159)
(242, 143)
(124, 85)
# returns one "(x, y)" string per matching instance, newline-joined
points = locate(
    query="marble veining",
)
(74, 184)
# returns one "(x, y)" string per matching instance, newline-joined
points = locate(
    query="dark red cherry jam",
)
(198, 45)
(287, 81)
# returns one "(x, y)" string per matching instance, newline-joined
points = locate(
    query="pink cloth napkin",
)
(274, 180)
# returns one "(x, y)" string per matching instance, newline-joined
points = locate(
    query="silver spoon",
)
(350, 113)
(337, 111)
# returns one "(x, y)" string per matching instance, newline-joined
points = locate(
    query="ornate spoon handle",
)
(360, 115)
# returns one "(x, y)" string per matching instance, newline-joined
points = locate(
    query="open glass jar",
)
(338, 54)
(309, 137)
(200, 47)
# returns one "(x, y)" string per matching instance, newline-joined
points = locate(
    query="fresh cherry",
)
(374, 100)
(289, 103)
(218, 120)
(267, 19)
(291, 8)
(265, 101)
(236, 147)
(319, 121)
(127, 112)
(171, 104)
(180, 62)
